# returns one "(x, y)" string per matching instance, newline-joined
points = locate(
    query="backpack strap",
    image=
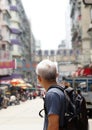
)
(66, 92)
(53, 86)
(62, 88)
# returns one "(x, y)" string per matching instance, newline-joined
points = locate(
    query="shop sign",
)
(7, 64)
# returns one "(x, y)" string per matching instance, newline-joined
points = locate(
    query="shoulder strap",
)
(58, 87)
(68, 99)
(63, 89)
(53, 86)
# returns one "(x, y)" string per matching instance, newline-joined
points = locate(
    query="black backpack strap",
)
(58, 87)
(64, 90)
(53, 86)
(67, 92)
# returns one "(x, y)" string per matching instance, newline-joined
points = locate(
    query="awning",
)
(16, 82)
(8, 78)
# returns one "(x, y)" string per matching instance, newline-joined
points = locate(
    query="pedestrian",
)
(54, 101)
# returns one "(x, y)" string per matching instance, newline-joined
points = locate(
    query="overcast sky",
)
(47, 21)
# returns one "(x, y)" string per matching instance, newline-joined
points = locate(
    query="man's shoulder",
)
(54, 90)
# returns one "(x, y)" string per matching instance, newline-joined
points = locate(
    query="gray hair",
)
(47, 69)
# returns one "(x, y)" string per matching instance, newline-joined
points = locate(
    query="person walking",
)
(54, 100)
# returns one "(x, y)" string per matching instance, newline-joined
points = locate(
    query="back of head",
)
(47, 69)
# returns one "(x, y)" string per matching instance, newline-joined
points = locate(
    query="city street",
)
(24, 116)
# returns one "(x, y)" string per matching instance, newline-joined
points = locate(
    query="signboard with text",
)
(7, 64)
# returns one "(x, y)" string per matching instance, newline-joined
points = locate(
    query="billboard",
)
(7, 64)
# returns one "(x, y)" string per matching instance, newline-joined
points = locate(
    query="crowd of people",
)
(14, 96)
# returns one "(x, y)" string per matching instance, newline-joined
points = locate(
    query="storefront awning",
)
(8, 78)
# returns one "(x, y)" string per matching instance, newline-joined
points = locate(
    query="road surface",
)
(24, 116)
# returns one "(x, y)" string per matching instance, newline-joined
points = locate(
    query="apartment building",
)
(25, 39)
(15, 41)
(81, 18)
(6, 63)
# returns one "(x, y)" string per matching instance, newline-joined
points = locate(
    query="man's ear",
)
(39, 78)
(57, 74)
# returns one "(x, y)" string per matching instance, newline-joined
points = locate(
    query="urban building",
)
(15, 37)
(68, 26)
(25, 38)
(65, 58)
(63, 45)
(38, 45)
(32, 56)
(81, 18)
(6, 63)
(16, 41)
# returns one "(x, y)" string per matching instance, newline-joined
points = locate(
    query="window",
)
(9, 1)
(91, 14)
(3, 47)
(90, 87)
(6, 17)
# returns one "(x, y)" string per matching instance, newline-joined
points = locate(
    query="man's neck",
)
(50, 84)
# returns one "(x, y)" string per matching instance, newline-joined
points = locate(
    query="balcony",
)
(16, 51)
(75, 34)
(6, 39)
(13, 8)
(15, 31)
(15, 19)
(15, 41)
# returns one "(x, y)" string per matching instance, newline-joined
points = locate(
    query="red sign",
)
(7, 64)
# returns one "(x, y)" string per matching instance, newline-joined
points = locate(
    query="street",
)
(24, 116)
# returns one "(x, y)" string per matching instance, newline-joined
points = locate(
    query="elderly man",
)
(47, 73)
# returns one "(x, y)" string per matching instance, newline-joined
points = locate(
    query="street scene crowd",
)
(16, 95)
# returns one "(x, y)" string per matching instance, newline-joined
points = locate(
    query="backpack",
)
(75, 113)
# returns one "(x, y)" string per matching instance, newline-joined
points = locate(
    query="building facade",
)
(6, 63)
(15, 41)
(65, 58)
(81, 40)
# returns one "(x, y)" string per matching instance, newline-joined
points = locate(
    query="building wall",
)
(85, 37)
(66, 69)
(80, 15)
(16, 42)
(5, 46)
(68, 27)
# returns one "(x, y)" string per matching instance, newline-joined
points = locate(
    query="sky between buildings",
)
(47, 19)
